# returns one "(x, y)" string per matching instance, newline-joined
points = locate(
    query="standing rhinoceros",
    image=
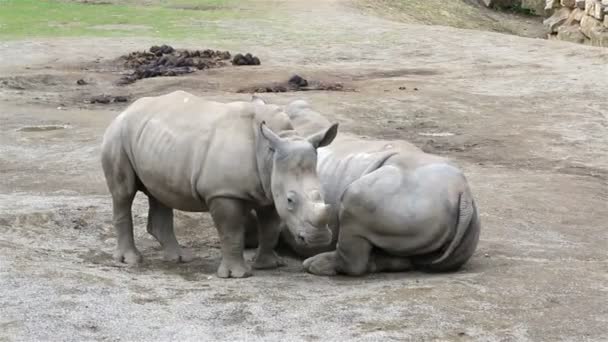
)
(394, 207)
(190, 154)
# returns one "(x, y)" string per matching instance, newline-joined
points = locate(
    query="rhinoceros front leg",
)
(160, 225)
(352, 254)
(269, 230)
(229, 216)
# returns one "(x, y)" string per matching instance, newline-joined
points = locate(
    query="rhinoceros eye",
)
(291, 201)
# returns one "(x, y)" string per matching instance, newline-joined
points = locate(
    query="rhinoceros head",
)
(295, 186)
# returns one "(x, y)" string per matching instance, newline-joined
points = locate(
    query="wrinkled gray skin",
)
(194, 155)
(394, 207)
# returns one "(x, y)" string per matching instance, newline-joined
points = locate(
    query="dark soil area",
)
(164, 60)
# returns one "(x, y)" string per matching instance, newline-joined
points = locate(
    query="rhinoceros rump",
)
(413, 209)
(190, 154)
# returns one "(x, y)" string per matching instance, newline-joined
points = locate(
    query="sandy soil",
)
(526, 118)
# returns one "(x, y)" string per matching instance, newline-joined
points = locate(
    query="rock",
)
(536, 6)
(580, 4)
(599, 36)
(557, 19)
(598, 11)
(570, 34)
(550, 4)
(575, 17)
(590, 7)
(589, 24)
(81, 82)
(568, 3)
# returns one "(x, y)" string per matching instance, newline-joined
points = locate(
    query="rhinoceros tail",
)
(466, 210)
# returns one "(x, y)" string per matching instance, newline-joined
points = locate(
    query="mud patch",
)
(30, 82)
(105, 99)
(381, 74)
(164, 60)
(295, 83)
(42, 128)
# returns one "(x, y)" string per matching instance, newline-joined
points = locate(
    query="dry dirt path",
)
(526, 118)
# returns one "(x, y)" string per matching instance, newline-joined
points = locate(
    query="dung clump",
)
(294, 83)
(247, 59)
(164, 60)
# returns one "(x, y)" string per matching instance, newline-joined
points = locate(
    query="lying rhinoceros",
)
(394, 207)
(190, 154)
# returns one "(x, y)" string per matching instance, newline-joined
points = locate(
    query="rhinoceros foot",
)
(131, 257)
(229, 269)
(323, 264)
(267, 261)
(179, 255)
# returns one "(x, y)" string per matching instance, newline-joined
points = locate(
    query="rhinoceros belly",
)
(167, 164)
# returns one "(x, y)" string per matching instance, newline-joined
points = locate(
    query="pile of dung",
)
(295, 83)
(164, 60)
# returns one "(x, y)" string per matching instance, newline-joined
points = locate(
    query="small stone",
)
(557, 19)
(486, 255)
(402, 88)
(416, 89)
(120, 98)
(81, 82)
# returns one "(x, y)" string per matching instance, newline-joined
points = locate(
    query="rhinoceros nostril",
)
(300, 237)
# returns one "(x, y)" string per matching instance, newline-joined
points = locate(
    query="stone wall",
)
(578, 21)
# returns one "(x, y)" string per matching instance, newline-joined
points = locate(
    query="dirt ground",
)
(527, 119)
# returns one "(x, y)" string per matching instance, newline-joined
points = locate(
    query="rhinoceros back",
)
(186, 151)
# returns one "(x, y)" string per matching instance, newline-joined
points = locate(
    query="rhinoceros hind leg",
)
(122, 184)
(160, 225)
(381, 262)
(229, 216)
(123, 223)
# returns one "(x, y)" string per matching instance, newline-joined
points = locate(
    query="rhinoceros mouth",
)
(319, 237)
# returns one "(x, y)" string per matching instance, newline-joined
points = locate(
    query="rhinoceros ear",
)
(257, 99)
(274, 140)
(325, 137)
